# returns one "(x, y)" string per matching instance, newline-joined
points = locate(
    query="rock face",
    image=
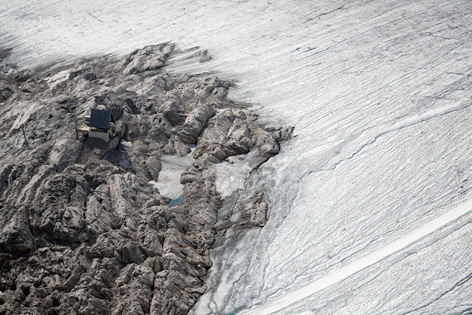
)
(82, 231)
(254, 211)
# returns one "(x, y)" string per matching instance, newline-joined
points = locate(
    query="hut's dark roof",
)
(100, 119)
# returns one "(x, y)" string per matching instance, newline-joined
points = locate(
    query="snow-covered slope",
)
(379, 93)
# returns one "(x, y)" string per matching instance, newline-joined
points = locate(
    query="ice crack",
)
(455, 286)
(408, 122)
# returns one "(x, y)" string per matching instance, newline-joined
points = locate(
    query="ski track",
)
(379, 93)
(351, 269)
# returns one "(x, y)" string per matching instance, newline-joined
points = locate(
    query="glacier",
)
(369, 203)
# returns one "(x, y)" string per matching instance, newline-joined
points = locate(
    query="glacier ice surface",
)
(379, 93)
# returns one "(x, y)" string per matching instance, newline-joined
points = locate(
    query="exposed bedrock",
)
(82, 229)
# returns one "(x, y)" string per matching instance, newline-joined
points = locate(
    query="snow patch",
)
(232, 174)
(126, 144)
(168, 182)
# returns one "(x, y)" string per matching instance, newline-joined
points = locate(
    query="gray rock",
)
(174, 112)
(147, 59)
(254, 211)
(195, 122)
(82, 230)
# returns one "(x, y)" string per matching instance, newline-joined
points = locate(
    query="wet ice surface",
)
(168, 182)
(380, 95)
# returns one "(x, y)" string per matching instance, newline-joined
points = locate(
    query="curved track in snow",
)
(283, 301)
(379, 93)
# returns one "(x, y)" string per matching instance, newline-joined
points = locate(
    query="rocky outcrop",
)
(82, 230)
(195, 122)
(254, 211)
